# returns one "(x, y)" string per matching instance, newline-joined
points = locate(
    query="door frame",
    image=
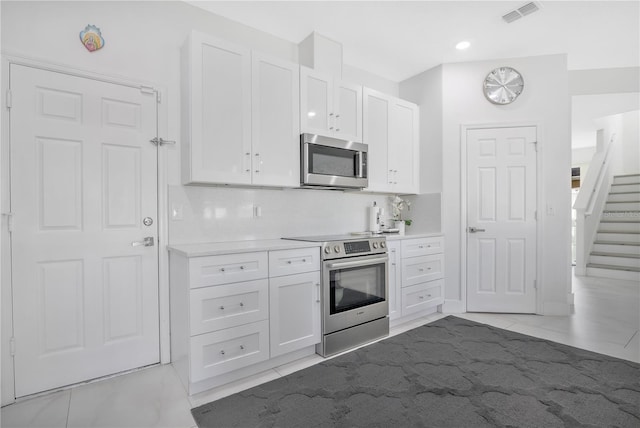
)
(539, 201)
(7, 388)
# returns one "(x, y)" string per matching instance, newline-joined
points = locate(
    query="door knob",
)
(475, 229)
(147, 242)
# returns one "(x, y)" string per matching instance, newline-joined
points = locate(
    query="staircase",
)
(616, 250)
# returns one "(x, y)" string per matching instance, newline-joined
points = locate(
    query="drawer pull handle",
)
(421, 269)
(428, 268)
(221, 269)
(289, 262)
(428, 246)
(242, 347)
(428, 295)
(222, 308)
(241, 304)
(241, 267)
(420, 246)
(421, 297)
(222, 352)
(304, 260)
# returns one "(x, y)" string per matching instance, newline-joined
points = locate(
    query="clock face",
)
(503, 85)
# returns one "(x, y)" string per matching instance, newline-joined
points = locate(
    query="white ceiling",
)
(397, 40)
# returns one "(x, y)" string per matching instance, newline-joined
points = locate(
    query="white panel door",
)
(501, 222)
(275, 108)
(83, 178)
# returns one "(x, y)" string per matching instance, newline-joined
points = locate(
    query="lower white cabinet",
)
(230, 315)
(219, 352)
(294, 301)
(416, 272)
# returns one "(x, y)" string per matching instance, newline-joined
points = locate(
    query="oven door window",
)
(326, 160)
(356, 287)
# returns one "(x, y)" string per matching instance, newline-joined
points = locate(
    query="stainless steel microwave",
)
(332, 163)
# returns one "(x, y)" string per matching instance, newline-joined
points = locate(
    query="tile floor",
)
(606, 319)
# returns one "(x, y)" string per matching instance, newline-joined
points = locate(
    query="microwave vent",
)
(522, 11)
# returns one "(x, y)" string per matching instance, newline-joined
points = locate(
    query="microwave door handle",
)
(360, 166)
(358, 263)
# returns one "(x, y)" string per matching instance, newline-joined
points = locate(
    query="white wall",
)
(624, 129)
(545, 101)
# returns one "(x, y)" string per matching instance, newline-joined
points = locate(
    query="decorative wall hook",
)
(91, 38)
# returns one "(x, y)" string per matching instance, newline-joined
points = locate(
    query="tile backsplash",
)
(220, 214)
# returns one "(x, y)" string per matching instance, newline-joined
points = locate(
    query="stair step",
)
(621, 214)
(605, 271)
(619, 236)
(630, 249)
(615, 260)
(619, 226)
(617, 206)
(623, 196)
(626, 179)
(623, 188)
(615, 254)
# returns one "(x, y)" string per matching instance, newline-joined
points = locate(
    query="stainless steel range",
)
(355, 308)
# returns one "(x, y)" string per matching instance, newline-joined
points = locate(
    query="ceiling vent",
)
(522, 11)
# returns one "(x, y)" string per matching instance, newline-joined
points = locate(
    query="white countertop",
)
(217, 248)
(234, 247)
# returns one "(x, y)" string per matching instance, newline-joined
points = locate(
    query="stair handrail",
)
(592, 184)
(590, 204)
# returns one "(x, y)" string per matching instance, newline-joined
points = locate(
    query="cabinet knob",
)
(421, 269)
(304, 260)
(337, 129)
(429, 268)
(330, 114)
(241, 267)
(257, 154)
(288, 262)
(257, 170)
(221, 269)
(421, 297)
(241, 304)
(331, 127)
(247, 170)
(337, 115)
(248, 154)
(241, 346)
(428, 295)
(222, 352)
(222, 308)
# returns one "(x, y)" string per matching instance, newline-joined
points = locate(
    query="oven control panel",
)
(356, 247)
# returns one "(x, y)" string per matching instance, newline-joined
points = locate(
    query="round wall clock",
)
(503, 85)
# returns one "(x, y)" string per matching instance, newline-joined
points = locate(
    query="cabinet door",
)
(376, 108)
(348, 111)
(403, 147)
(294, 306)
(394, 284)
(275, 122)
(316, 102)
(220, 112)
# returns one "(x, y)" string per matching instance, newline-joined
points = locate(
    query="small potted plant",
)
(397, 206)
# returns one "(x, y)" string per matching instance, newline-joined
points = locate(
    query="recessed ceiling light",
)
(463, 45)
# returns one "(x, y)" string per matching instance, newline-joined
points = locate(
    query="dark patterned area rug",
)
(450, 373)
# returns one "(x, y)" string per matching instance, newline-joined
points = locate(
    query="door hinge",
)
(535, 284)
(535, 214)
(158, 141)
(12, 346)
(535, 144)
(9, 100)
(9, 217)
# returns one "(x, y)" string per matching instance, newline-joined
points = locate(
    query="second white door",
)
(501, 220)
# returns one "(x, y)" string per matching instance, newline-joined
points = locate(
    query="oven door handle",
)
(358, 263)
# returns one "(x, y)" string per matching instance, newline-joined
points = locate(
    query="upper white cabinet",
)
(329, 106)
(390, 128)
(240, 115)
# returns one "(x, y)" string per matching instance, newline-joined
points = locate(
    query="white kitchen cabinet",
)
(275, 125)
(330, 106)
(422, 275)
(240, 115)
(390, 129)
(238, 313)
(294, 299)
(216, 111)
(395, 277)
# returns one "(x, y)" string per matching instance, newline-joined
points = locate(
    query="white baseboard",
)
(556, 308)
(451, 306)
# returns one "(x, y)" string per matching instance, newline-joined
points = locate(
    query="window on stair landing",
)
(575, 177)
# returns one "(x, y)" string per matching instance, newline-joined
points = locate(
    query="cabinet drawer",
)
(416, 270)
(228, 268)
(289, 262)
(421, 296)
(226, 350)
(229, 305)
(422, 246)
